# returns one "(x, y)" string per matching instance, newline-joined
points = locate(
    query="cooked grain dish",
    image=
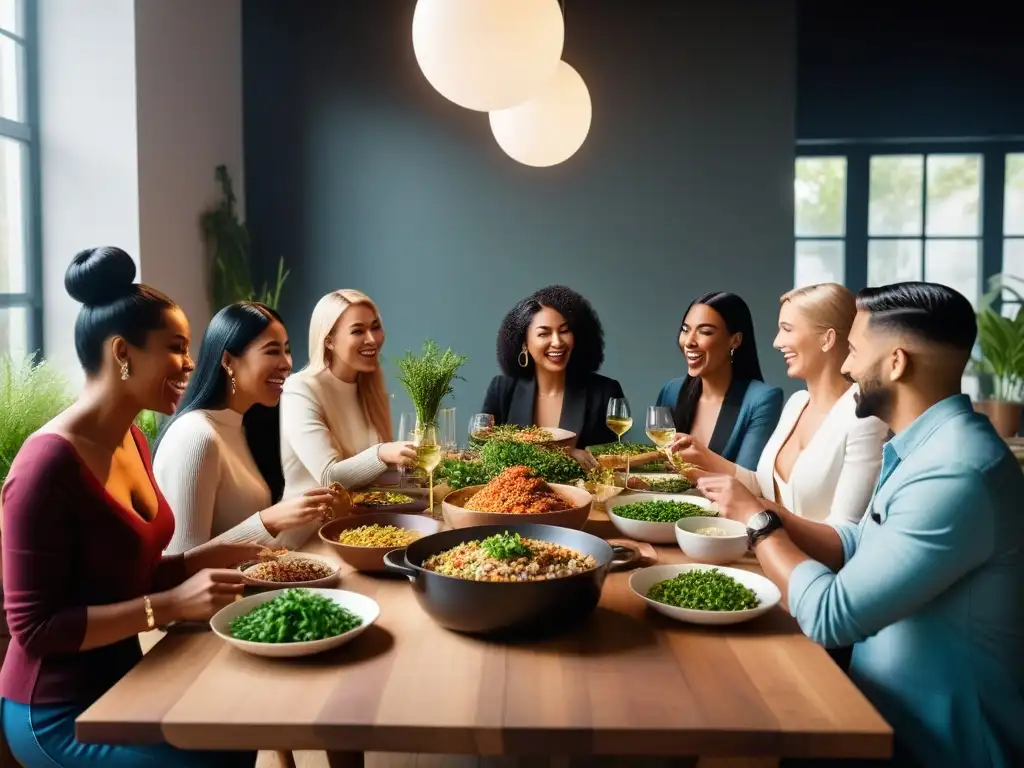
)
(377, 536)
(712, 531)
(289, 570)
(473, 561)
(517, 491)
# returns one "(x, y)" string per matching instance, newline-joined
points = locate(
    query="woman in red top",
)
(85, 526)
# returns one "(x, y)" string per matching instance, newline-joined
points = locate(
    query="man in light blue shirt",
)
(929, 587)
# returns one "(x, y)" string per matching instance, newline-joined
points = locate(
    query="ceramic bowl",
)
(371, 559)
(767, 593)
(642, 530)
(716, 550)
(457, 516)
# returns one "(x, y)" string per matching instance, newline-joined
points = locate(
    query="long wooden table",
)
(628, 682)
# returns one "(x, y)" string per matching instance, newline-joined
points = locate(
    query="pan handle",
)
(623, 556)
(393, 562)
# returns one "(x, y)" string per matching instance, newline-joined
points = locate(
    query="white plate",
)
(326, 581)
(641, 581)
(364, 607)
(641, 530)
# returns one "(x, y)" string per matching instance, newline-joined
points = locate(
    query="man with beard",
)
(929, 587)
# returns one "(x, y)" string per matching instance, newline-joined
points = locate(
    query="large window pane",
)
(954, 263)
(14, 331)
(819, 261)
(12, 16)
(1013, 267)
(893, 261)
(12, 217)
(954, 195)
(1013, 203)
(11, 75)
(820, 193)
(895, 195)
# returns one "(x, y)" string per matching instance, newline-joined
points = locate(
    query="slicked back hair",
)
(928, 311)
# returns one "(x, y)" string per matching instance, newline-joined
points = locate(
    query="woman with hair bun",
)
(85, 527)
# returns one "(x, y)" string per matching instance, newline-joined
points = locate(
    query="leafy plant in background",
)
(428, 379)
(1001, 343)
(149, 423)
(31, 393)
(229, 249)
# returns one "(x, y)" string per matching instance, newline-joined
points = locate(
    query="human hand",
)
(401, 453)
(314, 504)
(687, 449)
(584, 458)
(733, 499)
(198, 597)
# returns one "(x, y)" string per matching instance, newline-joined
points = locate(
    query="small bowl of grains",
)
(713, 540)
(290, 569)
(363, 540)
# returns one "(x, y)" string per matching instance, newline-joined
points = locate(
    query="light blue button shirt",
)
(932, 592)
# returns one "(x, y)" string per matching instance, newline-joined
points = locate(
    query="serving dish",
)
(414, 502)
(325, 581)
(486, 608)
(716, 550)
(366, 608)
(636, 480)
(371, 559)
(643, 530)
(768, 594)
(457, 516)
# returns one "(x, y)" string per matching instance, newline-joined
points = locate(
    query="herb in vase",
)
(428, 379)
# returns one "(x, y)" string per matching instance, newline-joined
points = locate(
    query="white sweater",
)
(834, 476)
(207, 474)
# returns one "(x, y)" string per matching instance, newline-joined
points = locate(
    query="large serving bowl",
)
(717, 550)
(366, 608)
(457, 516)
(767, 593)
(482, 607)
(371, 559)
(642, 530)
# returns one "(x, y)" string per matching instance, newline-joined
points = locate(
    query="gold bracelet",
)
(150, 619)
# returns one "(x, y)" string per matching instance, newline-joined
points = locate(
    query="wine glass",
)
(478, 423)
(619, 421)
(406, 433)
(428, 454)
(446, 429)
(661, 428)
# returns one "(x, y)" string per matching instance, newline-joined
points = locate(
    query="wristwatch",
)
(761, 526)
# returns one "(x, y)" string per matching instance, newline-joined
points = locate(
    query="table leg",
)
(345, 759)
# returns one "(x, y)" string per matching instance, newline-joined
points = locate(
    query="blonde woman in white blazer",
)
(822, 462)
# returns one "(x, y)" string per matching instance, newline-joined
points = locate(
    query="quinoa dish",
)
(289, 570)
(517, 491)
(507, 557)
(377, 536)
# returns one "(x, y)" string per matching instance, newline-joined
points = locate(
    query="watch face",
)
(759, 521)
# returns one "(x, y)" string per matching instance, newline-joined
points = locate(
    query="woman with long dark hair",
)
(722, 403)
(218, 460)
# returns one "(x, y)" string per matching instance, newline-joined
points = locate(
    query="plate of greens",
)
(286, 623)
(705, 594)
(660, 483)
(652, 517)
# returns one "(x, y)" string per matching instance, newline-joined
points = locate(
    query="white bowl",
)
(326, 581)
(717, 550)
(767, 593)
(641, 530)
(364, 607)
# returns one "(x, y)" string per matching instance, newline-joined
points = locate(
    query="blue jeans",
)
(43, 736)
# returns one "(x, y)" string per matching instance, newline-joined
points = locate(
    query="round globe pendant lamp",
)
(487, 54)
(551, 126)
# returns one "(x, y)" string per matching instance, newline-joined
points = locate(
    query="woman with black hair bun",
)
(722, 404)
(85, 527)
(550, 348)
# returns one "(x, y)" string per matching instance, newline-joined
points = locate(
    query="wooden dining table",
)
(627, 682)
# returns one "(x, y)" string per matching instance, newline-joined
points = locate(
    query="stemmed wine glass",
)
(477, 424)
(619, 421)
(661, 428)
(428, 454)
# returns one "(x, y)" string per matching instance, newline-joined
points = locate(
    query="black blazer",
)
(584, 405)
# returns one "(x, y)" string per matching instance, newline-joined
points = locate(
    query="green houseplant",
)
(31, 393)
(228, 252)
(1000, 357)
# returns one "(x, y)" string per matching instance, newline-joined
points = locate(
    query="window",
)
(820, 220)
(19, 304)
(1013, 231)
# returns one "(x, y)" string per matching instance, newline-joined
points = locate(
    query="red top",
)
(68, 544)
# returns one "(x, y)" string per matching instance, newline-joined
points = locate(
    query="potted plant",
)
(1001, 358)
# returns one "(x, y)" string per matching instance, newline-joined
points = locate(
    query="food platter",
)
(549, 436)
(367, 558)
(575, 515)
(767, 594)
(660, 482)
(387, 500)
(271, 573)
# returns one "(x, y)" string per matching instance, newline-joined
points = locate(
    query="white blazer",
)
(834, 476)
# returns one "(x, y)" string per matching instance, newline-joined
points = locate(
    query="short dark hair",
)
(931, 312)
(103, 280)
(588, 348)
(232, 330)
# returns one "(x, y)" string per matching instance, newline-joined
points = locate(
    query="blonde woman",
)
(822, 462)
(335, 413)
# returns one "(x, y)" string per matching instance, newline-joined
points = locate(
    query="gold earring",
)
(124, 371)
(524, 359)
(231, 375)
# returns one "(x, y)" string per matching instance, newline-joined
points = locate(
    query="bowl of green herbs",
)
(286, 623)
(652, 517)
(705, 594)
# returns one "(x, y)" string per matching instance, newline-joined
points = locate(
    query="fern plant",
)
(1001, 343)
(31, 393)
(228, 252)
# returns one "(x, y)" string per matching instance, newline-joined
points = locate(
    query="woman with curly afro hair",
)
(550, 347)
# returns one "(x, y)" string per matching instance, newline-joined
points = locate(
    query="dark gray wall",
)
(362, 176)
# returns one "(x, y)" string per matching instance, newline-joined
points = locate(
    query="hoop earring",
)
(124, 371)
(524, 359)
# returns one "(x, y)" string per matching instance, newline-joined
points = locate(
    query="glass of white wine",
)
(428, 454)
(661, 428)
(619, 421)
(477, 426)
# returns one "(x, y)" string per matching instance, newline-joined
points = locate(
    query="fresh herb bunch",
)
(550, 464)
(428, 379)
(31, 393)
(459, 473)
(622, 449)
(297, 616)
(505, 546)
(704, 590)
(662, 511)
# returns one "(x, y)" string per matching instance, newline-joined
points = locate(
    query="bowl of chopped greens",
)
(714, 540)
(287, 623)
(705, 594)
(652, 517)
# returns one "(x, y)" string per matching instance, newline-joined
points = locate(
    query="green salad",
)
(297, 616)
(661, 511)
(704, 590)
(552, 465)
